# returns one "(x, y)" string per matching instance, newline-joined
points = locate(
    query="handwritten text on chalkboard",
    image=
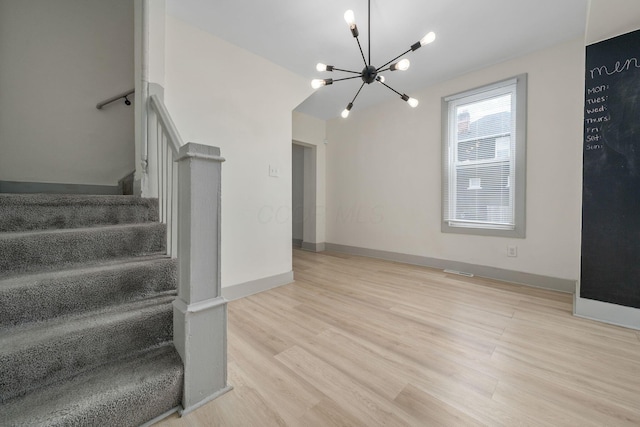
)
(596, 109)
(619, 67)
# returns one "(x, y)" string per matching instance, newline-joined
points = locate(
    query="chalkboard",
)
(610, 269)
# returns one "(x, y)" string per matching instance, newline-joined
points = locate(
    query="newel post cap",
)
(199, 151)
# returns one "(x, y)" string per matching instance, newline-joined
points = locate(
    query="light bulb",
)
(350, 18)
(403, 65)
(400, 65)
(411, 101)
(430, 37)
(324, 67)
(316, 83)
(345, 112)
(381, 79)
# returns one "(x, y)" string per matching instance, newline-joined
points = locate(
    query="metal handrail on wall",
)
(124, 95)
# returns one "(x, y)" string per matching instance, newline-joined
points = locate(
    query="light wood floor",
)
(362, 342)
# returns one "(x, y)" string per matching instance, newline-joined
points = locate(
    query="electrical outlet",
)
(274, 171)
(512, 251)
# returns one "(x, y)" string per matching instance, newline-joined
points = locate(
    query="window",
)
(483, 179)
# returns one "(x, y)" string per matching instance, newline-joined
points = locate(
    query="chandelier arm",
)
(346, 78)
(361, 52)
(390, 88)
(399, 56)
(383, 70)
(357, 93)
(347, 71)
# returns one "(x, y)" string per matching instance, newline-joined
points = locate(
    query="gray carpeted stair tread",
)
(126, 393)
(86, 315)
(22, 212)
(41, 296)
(39, 354)
(40, 250)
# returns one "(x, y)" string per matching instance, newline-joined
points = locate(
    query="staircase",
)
(86, 318)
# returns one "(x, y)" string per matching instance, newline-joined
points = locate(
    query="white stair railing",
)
(164, 147)
(186, 178)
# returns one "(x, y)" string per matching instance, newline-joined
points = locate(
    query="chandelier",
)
(370, 73)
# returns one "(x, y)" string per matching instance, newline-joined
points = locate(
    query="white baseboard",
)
(528, 279)
(313, 247)
(185, 411)
(242, 290)
(606, 312)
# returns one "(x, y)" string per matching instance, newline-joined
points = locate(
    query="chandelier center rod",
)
(369, 29)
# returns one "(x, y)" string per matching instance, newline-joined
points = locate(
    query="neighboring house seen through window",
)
(484, 132)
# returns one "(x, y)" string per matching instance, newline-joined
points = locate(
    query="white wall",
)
(311, 132)
(384, 172)
(58, 59)
(610, 18)
(221, 95)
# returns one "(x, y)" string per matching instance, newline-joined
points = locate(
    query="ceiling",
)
(471, 34)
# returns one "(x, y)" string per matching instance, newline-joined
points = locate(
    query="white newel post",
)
(200, 312)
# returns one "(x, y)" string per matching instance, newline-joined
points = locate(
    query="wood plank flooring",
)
(363, 342)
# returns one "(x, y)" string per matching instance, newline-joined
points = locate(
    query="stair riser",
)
(42, 212)
(61, 356)
(47, 298)
(38, 251)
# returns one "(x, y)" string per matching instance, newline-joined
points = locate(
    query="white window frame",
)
(517, 182)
